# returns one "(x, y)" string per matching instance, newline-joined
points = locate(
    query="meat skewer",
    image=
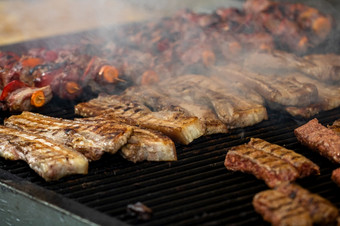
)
(50, 160)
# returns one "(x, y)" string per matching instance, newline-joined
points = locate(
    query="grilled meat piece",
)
(178, 126)
(278, 209)
(321, 210)
(304, 166)
(335, 126)
(158, 102)
(336, 176)
(50, 160)
(234, 110)
(282, 90)
(329, 98)
(90, 139)
(262, 165)
(144, 144)
(319, 138)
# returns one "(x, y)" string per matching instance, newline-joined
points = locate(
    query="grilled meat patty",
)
(321, 210)
(90, 139)
(319, 138)
(232, 109)
(178, 126)
(49, 159)
(156, 100)
(261, 164)
(336, 176)
(278, 209)
(304, 166)
(144, 144)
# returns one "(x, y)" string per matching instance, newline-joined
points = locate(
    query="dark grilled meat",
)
(336, 176)
(50, 160)
(278, 209)
(319, 138)
(90, 139)
(262, 165)
(178, 126)
(321, 210)
(304, 166)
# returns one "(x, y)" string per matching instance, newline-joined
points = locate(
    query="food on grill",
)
(231, 108)
(319, 138)
(144, 144)
(279, 209)
(336, 176)
(139, 210)
(90, 139)
(320, 209)
(156, 100)
(282, 90)
(304, 166)
(178, 126)
(50, 160)
(261, 164)
(335, 126)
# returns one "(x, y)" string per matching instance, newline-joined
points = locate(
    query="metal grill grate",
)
(196, 189)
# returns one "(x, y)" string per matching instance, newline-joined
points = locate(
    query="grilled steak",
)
(282, 90)
(90, 139)
(262, 165)
(234, 110)
(50, 160)
(159, 102)
(304, 166)
(319, 138)
(336, 176)
(278, 209)
(321, 210)
(178, 126)
(144, 144)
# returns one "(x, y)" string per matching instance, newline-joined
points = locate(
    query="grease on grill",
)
(139, 211)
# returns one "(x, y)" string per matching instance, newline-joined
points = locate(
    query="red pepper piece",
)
(10, 87)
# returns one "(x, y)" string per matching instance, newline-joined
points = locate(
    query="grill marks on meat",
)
(282, 90)
(304, 166)
(143, 144)
(319, 138)
(50, 160)
(232, 109)
(159, 102)
(262, 165)
(321, 210)
(90, 139)
(181, 128)
(278, 209)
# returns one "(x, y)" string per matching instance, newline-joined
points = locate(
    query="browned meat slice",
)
(144, 144)
(262, 165)
(335, 127)
(90, 139)
(232, 109)
(50, 160)
(304, 166)
(336, 176)
(319, 138)
(178, 126)
(279, 209)
(160, 102)
(282, 90)
(329, 98)
(320, 209)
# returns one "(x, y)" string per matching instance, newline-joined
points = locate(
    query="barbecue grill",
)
(196, 189)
